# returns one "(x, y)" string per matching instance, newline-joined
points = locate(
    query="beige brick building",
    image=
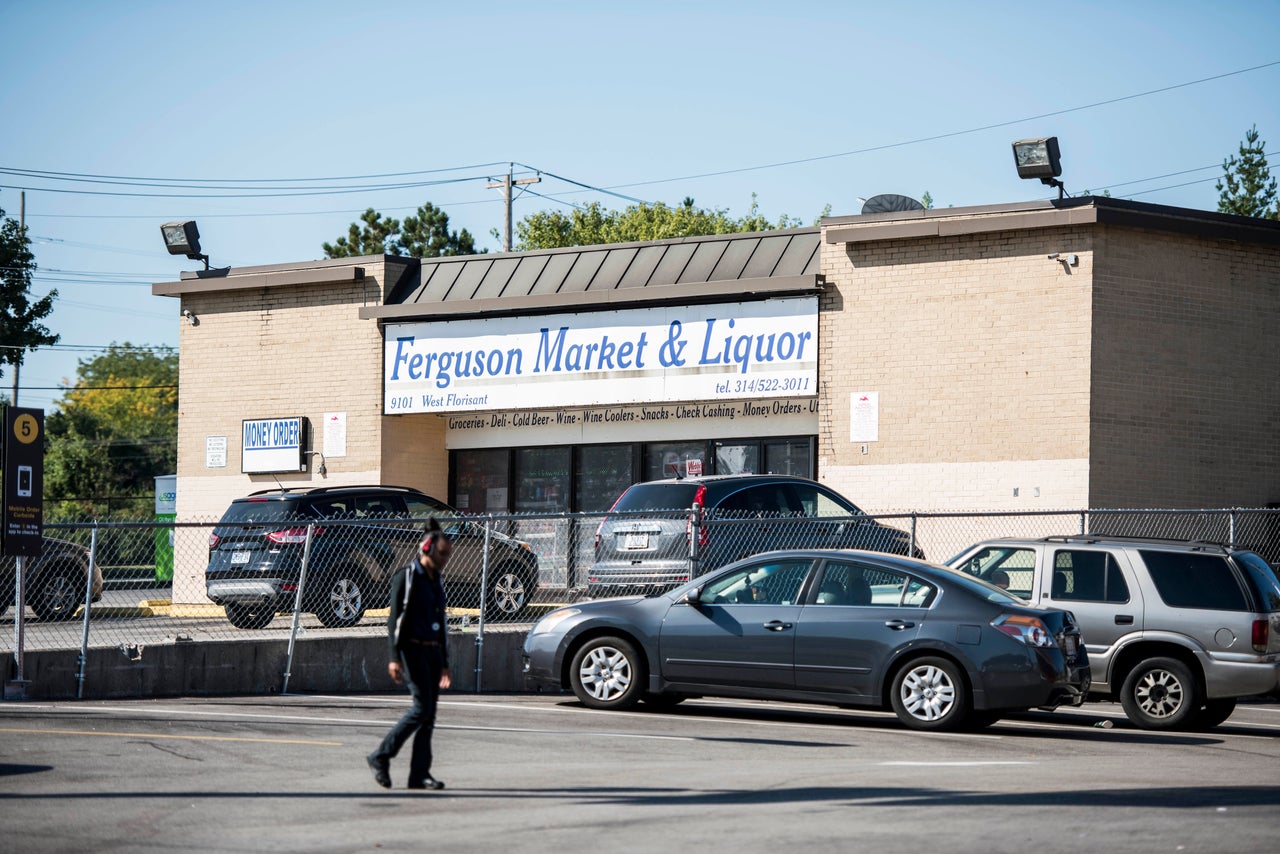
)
(1071, 354)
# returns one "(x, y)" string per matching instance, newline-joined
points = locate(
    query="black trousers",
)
(423, 666)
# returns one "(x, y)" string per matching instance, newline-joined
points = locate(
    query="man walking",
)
(418, 657)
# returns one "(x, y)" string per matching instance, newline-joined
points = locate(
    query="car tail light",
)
(291, 536)
(600, 528)
(1261, 635)
(214, 539)
(704, 533)
(1024, 628)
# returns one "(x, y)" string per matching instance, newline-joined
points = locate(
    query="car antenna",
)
(283, 488)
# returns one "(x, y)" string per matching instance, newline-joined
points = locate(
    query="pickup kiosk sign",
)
(23, 461)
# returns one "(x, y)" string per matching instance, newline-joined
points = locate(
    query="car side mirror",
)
(693, 598)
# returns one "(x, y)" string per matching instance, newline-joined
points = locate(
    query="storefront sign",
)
(727, 351)
(650, 423)
(272, 445)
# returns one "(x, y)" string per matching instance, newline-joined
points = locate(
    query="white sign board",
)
(272, 445)
(864, 416)
(725, 351)
(335, 434)
(215, 452)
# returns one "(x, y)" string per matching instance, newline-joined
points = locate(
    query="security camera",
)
(191, 317)
(1053, 256)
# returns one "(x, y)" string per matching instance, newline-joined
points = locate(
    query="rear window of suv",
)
(1195, 580)
(249, 512)
(676, 496)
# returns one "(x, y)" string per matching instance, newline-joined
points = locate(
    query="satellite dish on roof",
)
(890, 203)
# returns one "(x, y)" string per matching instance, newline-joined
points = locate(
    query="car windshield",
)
(673, 496)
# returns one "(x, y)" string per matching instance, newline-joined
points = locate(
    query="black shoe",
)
(381, 769)
(428, 783)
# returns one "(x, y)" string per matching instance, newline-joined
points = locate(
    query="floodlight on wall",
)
(1039, 158)
(183, 238)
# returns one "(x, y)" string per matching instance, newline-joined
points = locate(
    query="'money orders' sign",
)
(727, 351)
(272, 445)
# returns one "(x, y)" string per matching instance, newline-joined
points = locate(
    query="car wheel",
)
(1213, 713)
(58, 592)
(344, 600)
(1160, 693)
(508, 595)
(607, 673)
(930, 694)
(249, 616)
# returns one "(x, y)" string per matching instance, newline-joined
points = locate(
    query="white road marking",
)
(952, 764)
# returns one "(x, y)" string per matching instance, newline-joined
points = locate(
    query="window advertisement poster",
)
(722, 351)
(273, 445)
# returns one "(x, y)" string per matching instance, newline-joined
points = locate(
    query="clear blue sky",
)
(805, 104)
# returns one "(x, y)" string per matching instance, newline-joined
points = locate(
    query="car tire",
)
(507, 598)
(58, 592)
(1213, 713)
(249, 616)
(930, 694)
(608, 673)
(344, 600)
(1160, 693)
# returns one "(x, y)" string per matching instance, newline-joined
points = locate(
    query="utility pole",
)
(506, 184)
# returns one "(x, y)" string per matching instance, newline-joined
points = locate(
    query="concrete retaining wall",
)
(320, 665)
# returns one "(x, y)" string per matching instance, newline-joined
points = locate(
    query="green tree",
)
(114, 431)
(594, 224)
(20, 316)
(376, 238)
(424, 235)
(427, 235)
(1247, 188)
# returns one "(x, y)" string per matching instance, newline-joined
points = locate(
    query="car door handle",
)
(777, 626)
(899, 625)
(1124, 619)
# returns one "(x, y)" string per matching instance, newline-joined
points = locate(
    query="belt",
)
(418, 642)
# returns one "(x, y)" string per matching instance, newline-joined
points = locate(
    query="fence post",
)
(297, 606)
(1231, 528)
(695, 539)
(484, 595)
(911, 542)
(88, 598)
(1084, 522)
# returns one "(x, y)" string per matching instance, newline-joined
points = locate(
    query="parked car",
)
(55, 581)
(849, 628)
(255, 554)
(1177, 631)
(645, 543)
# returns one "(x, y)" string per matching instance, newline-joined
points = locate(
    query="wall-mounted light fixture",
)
(191, 317)
(321, 470)
(183, 238)
(1039, 158)
(1068, 260)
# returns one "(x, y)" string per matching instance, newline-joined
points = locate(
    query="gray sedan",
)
(849, 628)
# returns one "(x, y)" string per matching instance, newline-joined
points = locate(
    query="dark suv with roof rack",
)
(1176, 630)
(646, 544)
(361, 536)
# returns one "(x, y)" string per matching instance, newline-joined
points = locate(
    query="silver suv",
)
(1175, 630)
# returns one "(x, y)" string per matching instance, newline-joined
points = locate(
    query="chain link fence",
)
(152, 583)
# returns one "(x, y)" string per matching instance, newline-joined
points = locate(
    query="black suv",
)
(646, 544)
(362, 535)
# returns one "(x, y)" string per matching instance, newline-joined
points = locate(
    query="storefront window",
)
(792, 456)
(542, 480)
(737, 458)
(604, 471)
(481, 481)
(675, 459)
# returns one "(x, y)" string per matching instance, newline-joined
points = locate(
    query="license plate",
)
(239, 558)
(634, 541)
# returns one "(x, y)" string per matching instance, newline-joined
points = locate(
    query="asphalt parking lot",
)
(541, 773)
